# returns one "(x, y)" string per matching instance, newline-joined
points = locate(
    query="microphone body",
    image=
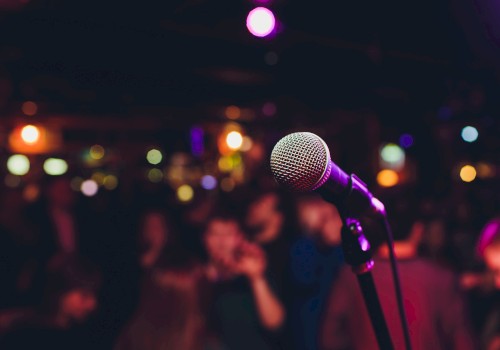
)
(301, 162)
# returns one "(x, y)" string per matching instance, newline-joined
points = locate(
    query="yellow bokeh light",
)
(226, 164)
(98, 177)
(185, 193)
(29, 108)
(110, 182)
(234, 140)
(468, 173)
(155, 175)
(154, 156)
(387, 178)
(97, 152)
(30, 134)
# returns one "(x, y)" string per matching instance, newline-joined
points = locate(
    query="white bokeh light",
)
(89, 188)
(260, 22)
(18, 164)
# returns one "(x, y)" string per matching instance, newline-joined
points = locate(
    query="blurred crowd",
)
(254, 269)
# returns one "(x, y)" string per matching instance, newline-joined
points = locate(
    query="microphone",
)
(301, 162)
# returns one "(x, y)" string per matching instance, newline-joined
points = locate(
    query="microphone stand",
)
(357, 253)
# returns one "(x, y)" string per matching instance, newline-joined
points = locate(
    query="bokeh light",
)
(247, 144)
(98, 177)
(18, 164)
(154, 156)
(470, 134)
(97, 152)
(406, 140)
(234, 140)
(208, 182)
(269, 109)
(155, 175)
(30, 134)
(197, 141)
(392, 156)
(31, 193)
(387, 178)
(392, 153)
(55, 166)
(227, 184)
(225, 164)
(468, 173)
(89, 188)
(29, 108)
(260, 22)
(232, 112)
(185, 193)
(110, 182)
(485, 170)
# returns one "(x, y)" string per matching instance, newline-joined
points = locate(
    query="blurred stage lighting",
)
(260, 22)
(155, 175)
(468, 173)
(55, 166)
(406, 140)
(469, 134)
(185, 193)
(392, 156)
(234, 140)
(29, 108)
(97, 152)
(232, 112)
(208, 182)
(227, 184)
(31, 193)
(89, 188)
(387, 178)
(30, 134)
(197, 141)
(225, 164)
(98, 177)
(18, 164)
(154, 156)
(110, 182)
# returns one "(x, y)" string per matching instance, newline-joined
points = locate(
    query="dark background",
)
(132, 74)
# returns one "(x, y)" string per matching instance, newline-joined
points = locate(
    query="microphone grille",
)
(301, 161)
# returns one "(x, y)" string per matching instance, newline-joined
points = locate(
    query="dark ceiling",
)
(192, 57)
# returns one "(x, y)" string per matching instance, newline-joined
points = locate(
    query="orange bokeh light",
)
(387, 178)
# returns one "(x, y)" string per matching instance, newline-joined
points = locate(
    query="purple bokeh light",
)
(269, 109)
(406, 140)
(208, 182)
(197, 146)
(261, 22)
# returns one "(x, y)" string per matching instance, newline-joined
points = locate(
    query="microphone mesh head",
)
(301, 162)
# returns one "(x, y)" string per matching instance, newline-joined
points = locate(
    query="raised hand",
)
(250, 261)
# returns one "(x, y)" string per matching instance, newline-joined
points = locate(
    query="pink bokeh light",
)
(261, 22)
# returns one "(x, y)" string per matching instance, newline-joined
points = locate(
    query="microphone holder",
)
(357, 253)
